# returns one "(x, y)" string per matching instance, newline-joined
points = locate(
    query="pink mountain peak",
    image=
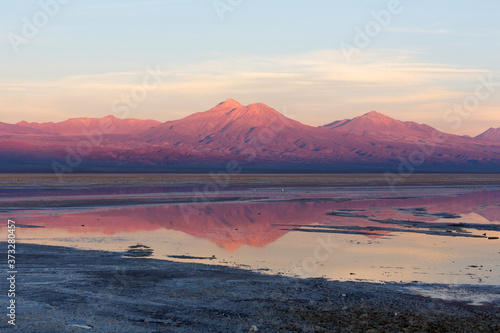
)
(230, 103)
(376, 115)
(259, 108)
(492, 134)
(228, 122)
(110, 117)
(377, 125)
(256, 114)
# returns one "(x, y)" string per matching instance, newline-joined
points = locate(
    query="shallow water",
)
(281, 225)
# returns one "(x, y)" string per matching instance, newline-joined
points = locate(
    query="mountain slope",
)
(493, 134)
(76, 126)
(377, 125)
(259, 134)
(232, 129)
(228, 119)
(10, 129)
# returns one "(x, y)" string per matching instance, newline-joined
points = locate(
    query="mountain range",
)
(237, 138)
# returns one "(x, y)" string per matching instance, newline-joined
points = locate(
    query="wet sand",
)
(64, 289)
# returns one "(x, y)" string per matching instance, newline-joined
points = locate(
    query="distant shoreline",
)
(248, 179)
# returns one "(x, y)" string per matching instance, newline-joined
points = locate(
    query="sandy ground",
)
(67, 290)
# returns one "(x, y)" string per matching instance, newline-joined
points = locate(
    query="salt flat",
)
(301, 237)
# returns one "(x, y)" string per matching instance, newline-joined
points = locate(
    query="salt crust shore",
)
(61, 289)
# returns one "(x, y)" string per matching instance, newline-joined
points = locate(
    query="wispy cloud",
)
(316, 81)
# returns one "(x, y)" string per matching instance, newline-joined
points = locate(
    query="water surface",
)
(343, 229)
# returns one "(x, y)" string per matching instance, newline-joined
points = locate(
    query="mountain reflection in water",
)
(262, 220)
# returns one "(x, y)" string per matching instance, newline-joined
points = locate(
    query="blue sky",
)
(420, 61)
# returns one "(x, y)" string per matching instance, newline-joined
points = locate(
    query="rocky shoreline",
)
(61, 289)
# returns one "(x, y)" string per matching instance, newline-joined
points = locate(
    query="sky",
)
(317, 61)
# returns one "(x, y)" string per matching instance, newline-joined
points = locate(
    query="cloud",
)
(318, 87)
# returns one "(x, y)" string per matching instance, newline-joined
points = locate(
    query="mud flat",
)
(63, 289)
